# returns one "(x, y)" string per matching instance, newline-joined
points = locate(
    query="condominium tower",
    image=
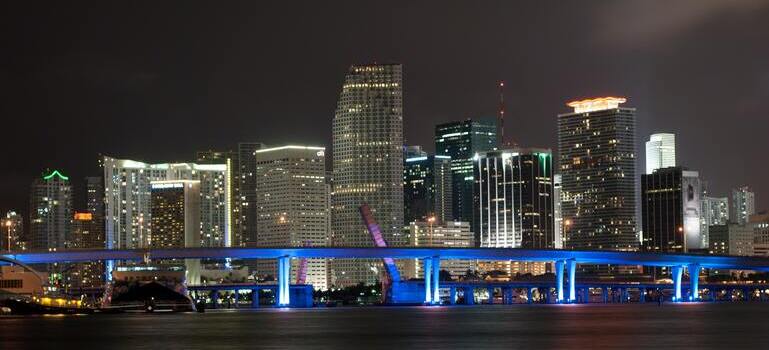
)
(660, 151)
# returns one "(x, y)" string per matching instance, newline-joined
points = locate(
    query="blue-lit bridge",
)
(565, 262)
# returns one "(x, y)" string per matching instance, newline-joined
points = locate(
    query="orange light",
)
(84, 216)
(596, 104)
(8, 223)
(431, 219)
(567, 222)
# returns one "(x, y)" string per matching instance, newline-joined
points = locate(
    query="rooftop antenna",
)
(501, 114)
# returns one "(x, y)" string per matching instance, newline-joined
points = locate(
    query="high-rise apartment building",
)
(246, 192)
(461, 141)
(670, 207)
(514, 192)
(175, 212)
(731, 239)
(87, 233)
(427, 188)
(293, 206)
(715, 211)
(128, 196)
(596, 144)
(12, 232)
(368, 164)
(660, 152)
(743, 205)
(230, 158)
(50, 214)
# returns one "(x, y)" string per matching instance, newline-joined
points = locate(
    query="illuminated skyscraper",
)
(87, 233)
(229, 158)
(368, 164)
(715, 211)
(660, 152)
(292, 206)
(127, 192)
(514, 192)
(50, 214)
(743, 205)
(175, 217)
(427, 188)
(557, 212)
(670, 207)
(596, 144)
(461, 141)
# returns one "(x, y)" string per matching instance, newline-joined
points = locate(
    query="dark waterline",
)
(684, 326)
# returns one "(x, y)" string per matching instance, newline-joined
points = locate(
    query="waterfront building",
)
(50, 213)
(715, 211)
(596, 144)
(731, 239)
(743, 205)
(230, 158)
(670, 207)
(453, 234)
(558, 226)
(87, 233)
(660, 152)
(127, 204)
(427, 188)
(175, 212)
(461, 140)
(368, 165)
(293, 207)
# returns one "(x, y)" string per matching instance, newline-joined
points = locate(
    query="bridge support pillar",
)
(236, 298)
(528, 295)
(677, 274)
(284, 280)
(436, 280)
(642, 295)
(215, 299)
(559, 280)
(572, 266)
(469, 295)
(453, 295)
(605, 293)
(694, 281)
(427, 271)
(490, 291)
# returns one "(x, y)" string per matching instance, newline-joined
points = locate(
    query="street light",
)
(430, 221)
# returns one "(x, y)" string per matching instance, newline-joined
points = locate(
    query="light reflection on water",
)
(466, 327)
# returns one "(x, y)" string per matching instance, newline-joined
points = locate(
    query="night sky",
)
(160, 80)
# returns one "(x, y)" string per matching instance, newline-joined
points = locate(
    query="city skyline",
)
(225, 108)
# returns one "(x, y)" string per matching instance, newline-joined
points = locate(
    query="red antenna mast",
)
(501, 114)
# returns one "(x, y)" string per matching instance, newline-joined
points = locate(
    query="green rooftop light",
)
(55, 173)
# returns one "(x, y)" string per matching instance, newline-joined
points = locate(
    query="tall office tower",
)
(660, 152)
(230, 158)
(94, 186)
(368, 164)
(176, 220)
(292, 206)
(596, 145)
(461, 141)
(715, 211)
(514, 192)
(450, 234)
(557, 214)
(87, 233)
(11, 232)
(427, 188)
(743, 205)
(50, 213)
(247, 191)
(670, 207)
(127, 192)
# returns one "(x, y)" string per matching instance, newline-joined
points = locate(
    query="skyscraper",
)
(596, 145)
(229, 158)
(427, 188)
(715, 211)
(87, 233)
(557, 212)
(247, 191)
(50, 213)
(176, 220)
(670, 207)
(292, 206)
(368, 163)
(660, 151)
(514, 192)
(743, 205)
(128, 189)
(461, 141)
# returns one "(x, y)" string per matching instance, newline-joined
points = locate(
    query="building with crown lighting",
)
(597, 162)
(368, 165)
(50, 214)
